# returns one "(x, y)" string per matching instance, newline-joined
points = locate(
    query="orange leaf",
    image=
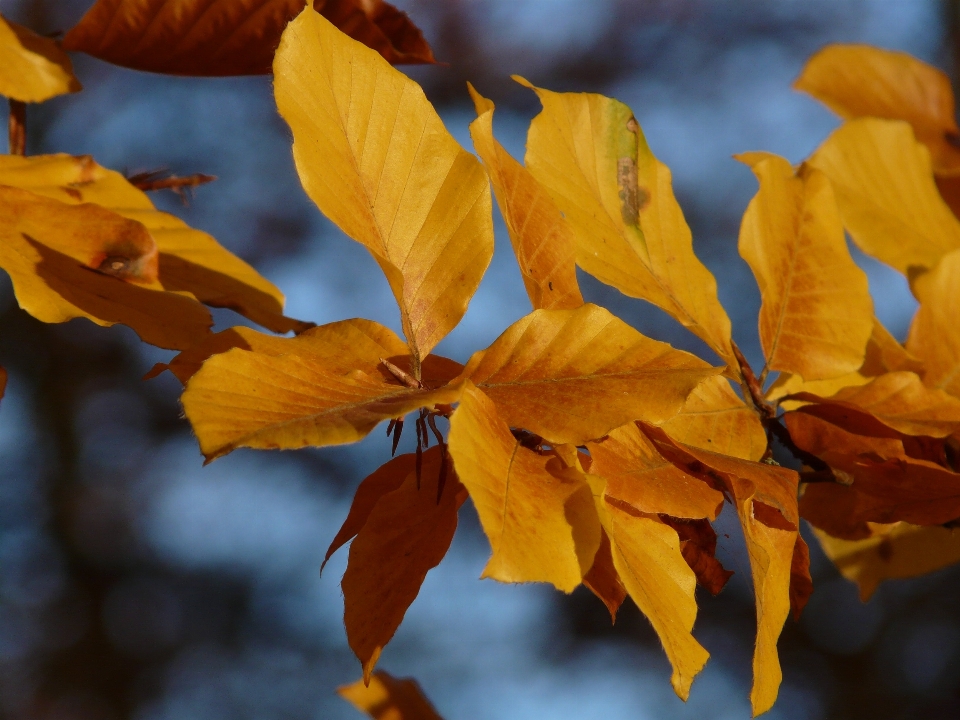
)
(574, 375)
(33, 68)
(541, 523)
(406, 534)
(542, 239)
(374, 156)
(602, 579)
(229, 37)
(934, 334)
(698, 544)
(862, 81)
(242, 398)
(817, 315)
(801, 584)
(389, 698)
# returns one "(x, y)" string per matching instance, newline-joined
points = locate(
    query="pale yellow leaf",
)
(33, 68)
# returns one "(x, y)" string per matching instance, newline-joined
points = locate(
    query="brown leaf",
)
(603, 580)
(406, 534)
(698, 543)
(389, 698)
(229, 37)
(33, 68)
(801, 584)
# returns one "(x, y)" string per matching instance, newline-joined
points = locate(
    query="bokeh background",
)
(135, 583)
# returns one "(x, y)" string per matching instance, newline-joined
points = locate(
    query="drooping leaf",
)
(698, 545)
(862, 81)
(574, 375)
(229, 37)
(801, 584)
(636, 474)
(542, 239)
(374, 156)
(893, 551)
(244, 398)
(542, 525)
(189, 260)
(589, 153)
(885, 191)
(935, 333)
(603, 580)
(389, 698)
(715, 418)
(32, 68)
(816, 316)
(406, 534)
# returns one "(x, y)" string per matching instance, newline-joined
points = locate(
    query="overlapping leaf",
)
(589, 153)
(389, 698)
(542, 239)
(603, 580)
(229, 37)
(374, 156)
(935, 333)
(817, 315)
(32, 68)
(574, 375)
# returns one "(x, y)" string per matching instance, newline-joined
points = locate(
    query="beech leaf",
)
(33, 68)
(934, 334)
(698, 545)
(603, 580)
(374, 156)
(389, 698)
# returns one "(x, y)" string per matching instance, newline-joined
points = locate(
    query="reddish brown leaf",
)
(698, 543)
(801, 584)
(603, 580)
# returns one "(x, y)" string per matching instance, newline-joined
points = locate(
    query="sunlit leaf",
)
(374, 156)
(589, 153)
(816, 315)
(389, 698)
(406, 534)
(542, 526)
(862, 81)
(886, 194)
(32, 68)
(574, 375)
(229, 37)
(935, 332)
(542, 239)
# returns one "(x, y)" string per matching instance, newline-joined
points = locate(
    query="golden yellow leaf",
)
(589, 153)
(862, 81)
(389, 698)
(229, 37)
(715, 418)
(32, 68)
(244, 398)
(935, 332)
(894, 551)
(574, 375)
(374, 156)
(189, 260)
(542, 239)
(69, 261)
(888, 201)
(406, 534)
(541, 524)
(816, 314)
(636, 474)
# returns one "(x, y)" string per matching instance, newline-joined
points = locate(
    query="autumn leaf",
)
(33, 68)
(934, 334)
(589, 153)
(801, 584)
(698, 545)
(189, 260)
(885, 191)
(542, 526)
(542, 239)
(603, 580)
(405, 535)
(715, 418)
(374, 156)
(816, 314)
(229, 37)
(3, 381)
(389, 698)
(574, 375)
(244, 398)
(861, 81)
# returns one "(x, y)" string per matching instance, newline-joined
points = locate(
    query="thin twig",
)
(401, 375)
(18, 127)
(158, 180)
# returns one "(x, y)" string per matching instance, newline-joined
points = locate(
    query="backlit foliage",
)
(591, 453)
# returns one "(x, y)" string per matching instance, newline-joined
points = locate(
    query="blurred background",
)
(135, 583)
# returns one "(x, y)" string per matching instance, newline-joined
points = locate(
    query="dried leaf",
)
(389, 698)
(698, 544)
(542, 239)
(374, 156)
(862, 81)
(817, 315)
(934, 333)
(406, 534)
(3, 381)
(888, 201)
(33, 68)
(589, 153)
(603, 580)
(229, 37)
(574, 375)
(801, 584)
(541, 524)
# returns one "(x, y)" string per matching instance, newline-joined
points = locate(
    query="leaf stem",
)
(18, 127)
